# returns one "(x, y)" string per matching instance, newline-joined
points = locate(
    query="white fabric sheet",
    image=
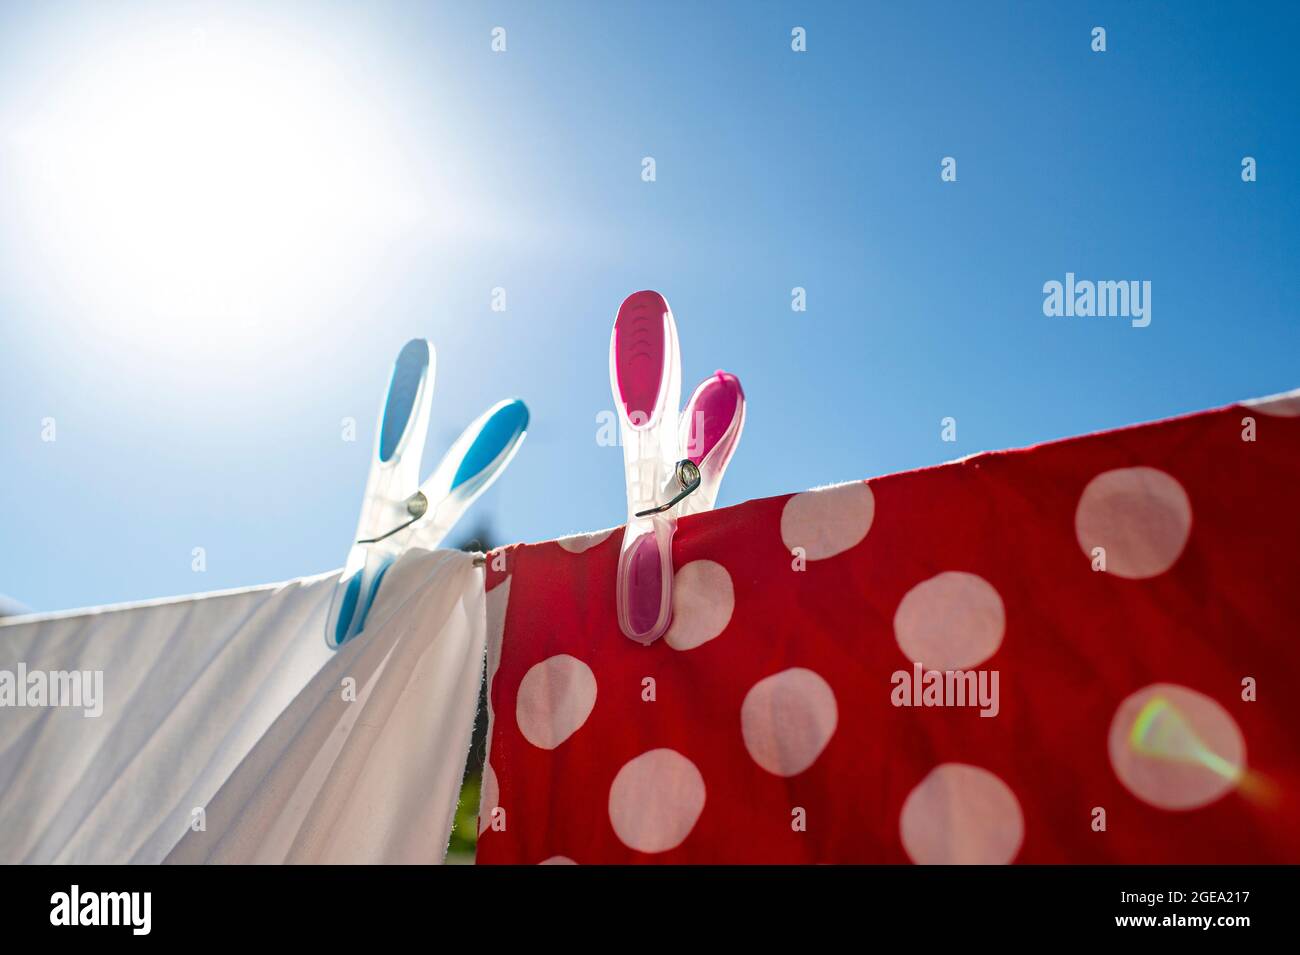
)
(375, 780)
(229, 692)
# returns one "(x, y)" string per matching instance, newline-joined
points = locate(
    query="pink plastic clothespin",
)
(674, 461)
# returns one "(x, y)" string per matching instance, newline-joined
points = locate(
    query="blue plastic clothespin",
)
(395, 513)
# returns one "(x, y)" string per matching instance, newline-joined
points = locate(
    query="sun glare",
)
(204, 178)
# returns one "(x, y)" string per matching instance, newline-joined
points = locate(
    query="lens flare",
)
(1160, 731)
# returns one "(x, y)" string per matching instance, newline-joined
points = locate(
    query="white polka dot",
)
(555, 698)
(961, 815)
(703, 601)
(557, 860)
(655, 801)
(952, 621)
(787, 719)
(577, 543)
(1140, 516)
(828, 521)
(489, 798)
(1175, 748)
(1285, 405)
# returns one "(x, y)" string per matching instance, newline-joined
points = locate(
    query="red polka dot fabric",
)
(1082, 652)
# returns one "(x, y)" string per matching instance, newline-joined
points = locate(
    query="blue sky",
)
(220, 222)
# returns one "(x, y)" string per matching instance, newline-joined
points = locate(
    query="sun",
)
(209, 181)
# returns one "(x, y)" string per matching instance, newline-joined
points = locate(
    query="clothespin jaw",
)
(673, 462)
(395, 514)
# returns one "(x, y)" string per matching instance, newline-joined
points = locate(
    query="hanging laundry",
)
(1081, 652)
(365, 766)
(225, 723)
(168, 697)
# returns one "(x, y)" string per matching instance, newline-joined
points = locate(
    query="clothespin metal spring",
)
(688, 476)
